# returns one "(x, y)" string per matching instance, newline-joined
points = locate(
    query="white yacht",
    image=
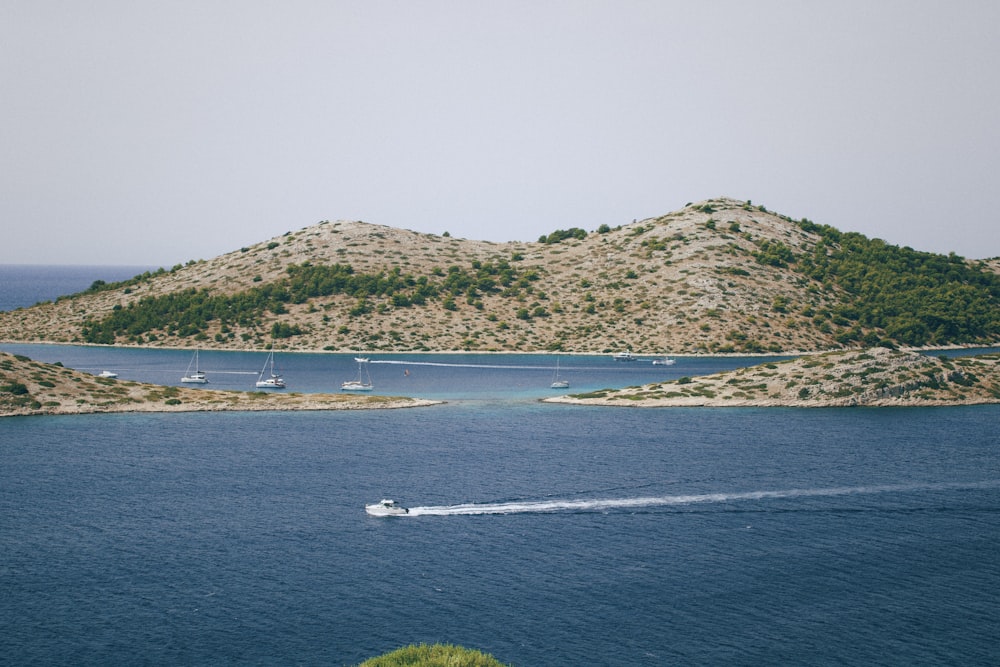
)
(107, 374)
(364, 380)
(386, 507)
(275, 381)
(558, 382)
(665, 361)
(196, 376)
(624, 356)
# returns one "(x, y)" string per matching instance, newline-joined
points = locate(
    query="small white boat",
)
(558, 382)
(364, 380)
(386, 507)
(107, 374)
(665, 361)
(196, 376)
(274, 381)
(623, 356)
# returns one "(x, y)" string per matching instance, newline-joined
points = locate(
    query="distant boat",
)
(107, 374)
(386, 507)
(364, 380)
(273, 381)
(197, 376)
(665, 361)
(557, 382)
(624, 356)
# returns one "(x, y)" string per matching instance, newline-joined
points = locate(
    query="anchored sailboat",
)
(364, 380)
(273, 381)
(558, 382)
(197, 376)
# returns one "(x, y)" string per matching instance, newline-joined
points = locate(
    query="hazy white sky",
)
(158, 132)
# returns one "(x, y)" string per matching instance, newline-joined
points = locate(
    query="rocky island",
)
(873, 377)
(721, 276)
(30, 387)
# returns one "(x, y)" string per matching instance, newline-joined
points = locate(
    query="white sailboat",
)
(558, 382)
(197, 376)
(273, 381)
(364, 380)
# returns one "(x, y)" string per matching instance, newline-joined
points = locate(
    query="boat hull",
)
(356, 386)
(270, 384)
(386, 508)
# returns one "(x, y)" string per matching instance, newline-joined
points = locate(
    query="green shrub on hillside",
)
(189, 312)
(563, 234)
(916, 298)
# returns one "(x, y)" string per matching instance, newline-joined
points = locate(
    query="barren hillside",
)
(720, 276)
(30, 387)
(875, 377)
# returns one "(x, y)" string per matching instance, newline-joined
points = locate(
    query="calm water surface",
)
(599, 536)
(543, 534)
(24, 285)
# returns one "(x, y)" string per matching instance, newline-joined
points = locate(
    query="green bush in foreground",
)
(436, 655)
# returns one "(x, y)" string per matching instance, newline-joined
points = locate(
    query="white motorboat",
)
(386, 507)
(623, 356)
(274, 381)
(364, 380)
(107, 374)
(196, 376)
(665, 361)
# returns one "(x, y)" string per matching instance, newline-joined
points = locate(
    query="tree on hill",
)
(916, 298)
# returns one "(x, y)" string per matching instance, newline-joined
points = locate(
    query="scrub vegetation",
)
(716, 277)
(874, 377)
(433, 655)
(29, 387)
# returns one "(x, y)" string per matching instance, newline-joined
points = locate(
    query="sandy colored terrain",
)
(875, 377)
(30, 388)
(682, 283)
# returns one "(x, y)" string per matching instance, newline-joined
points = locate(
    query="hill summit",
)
(718, 276)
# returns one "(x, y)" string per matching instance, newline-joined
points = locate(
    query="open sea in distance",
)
(23, 285)
(543, 534)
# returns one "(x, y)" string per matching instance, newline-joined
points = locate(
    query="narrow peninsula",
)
(30, 387)
(873, 377)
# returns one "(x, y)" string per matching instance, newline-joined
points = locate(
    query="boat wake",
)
(397, 362)
(600, 505)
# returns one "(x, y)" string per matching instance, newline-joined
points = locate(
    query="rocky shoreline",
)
(29, 387)
(877, 377)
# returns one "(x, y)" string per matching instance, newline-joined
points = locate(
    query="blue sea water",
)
(543, 534)
(23, 285)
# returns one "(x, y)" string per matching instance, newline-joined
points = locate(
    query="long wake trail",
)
(598, 505)
(398, 362)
